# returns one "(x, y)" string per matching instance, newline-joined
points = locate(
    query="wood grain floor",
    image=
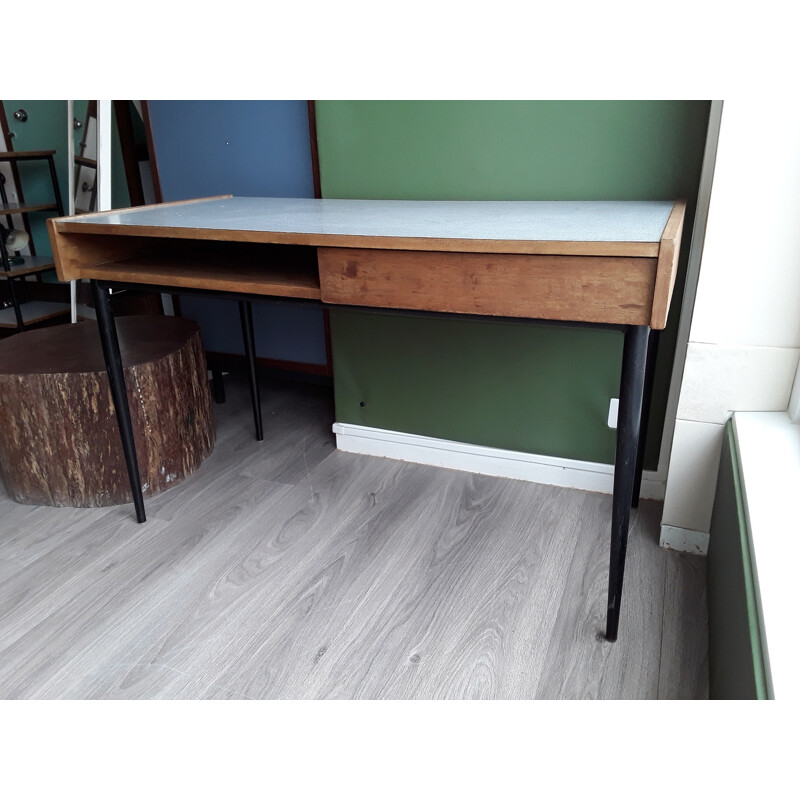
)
(286, 569)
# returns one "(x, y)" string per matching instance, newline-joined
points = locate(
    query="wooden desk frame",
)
(625, 284)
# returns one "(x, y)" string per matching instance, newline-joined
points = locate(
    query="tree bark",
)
(59, 443)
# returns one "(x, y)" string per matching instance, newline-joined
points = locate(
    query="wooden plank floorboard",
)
(8, 569)
(335, 549)
(88, 599)
(297, 420)
(29, 532)
(684, 645)
(581, 664)
(209, 614)
(431, 570)
(66, 611)
(482, 607)
(285, 569)
(57, 574)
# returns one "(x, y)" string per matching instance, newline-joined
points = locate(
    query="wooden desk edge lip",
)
(668, 253)
(64, 225)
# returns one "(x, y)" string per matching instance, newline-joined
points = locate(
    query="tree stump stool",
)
(59, 442)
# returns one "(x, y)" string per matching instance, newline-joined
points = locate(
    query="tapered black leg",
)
(218, 386)
(116, 379)
(647, 398)
(246, 315)
(634, 355)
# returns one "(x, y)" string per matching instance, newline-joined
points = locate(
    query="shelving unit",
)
(23, 312)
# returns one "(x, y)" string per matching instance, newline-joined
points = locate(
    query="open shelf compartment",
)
(272, 270)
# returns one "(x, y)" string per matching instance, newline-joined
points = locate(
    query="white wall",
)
(744, 340)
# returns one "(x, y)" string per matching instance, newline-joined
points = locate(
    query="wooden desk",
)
(603, 263)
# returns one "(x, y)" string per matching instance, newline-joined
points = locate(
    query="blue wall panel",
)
(255, 148)
(250, 148)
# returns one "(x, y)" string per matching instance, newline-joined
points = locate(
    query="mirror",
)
(128, 156)
(84, 156)
(75, 132)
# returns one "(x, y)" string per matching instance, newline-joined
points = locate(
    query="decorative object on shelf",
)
(14, 241)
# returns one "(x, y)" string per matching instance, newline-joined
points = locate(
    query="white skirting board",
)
(684, 540)
(565, 472)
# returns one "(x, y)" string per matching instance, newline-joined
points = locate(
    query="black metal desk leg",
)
(246, 315)
(647, 399)
(217, 385)
(116, 379)
(634, 355)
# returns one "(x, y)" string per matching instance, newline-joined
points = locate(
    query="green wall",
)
(519, 386)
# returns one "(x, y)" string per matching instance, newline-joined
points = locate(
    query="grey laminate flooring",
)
(287, 569)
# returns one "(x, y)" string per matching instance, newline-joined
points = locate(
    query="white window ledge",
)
(769, 456)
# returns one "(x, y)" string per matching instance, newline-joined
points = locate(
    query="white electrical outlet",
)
(613, 411)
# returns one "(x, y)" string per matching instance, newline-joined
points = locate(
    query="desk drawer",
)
(575, 288)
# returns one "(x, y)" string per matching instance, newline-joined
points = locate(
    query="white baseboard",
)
(684, 540)
(565, 472)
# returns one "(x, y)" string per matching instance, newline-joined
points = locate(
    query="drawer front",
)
(575, 288)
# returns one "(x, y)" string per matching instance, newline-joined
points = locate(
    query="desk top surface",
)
(512, 220)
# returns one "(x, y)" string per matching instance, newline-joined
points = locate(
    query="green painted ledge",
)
(738, 660)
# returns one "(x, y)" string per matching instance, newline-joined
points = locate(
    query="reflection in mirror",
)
(127, 158)
(84, 154)
(103, 137)
(110, 168)
(32, 169)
